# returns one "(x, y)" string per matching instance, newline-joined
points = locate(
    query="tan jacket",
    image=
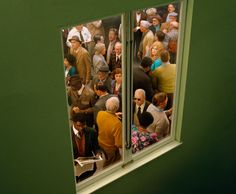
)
(85, 101)
(83, 64)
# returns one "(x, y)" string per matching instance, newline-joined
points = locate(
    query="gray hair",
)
(99, 47)
(140, 91)
(112, 104)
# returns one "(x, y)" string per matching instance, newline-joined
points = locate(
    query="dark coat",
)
(142, 81)
(114, 63)
(91, 142)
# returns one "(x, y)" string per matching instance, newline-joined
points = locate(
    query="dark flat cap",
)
(104, 69)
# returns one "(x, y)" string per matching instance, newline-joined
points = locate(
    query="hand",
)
(76, 109)
(119, 115)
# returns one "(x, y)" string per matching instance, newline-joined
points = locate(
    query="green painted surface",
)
(35, 149)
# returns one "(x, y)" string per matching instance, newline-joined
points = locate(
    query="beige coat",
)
(83, 64)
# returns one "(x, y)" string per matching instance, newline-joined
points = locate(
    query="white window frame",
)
(132, 161)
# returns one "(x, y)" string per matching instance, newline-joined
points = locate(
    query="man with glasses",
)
(140, 105)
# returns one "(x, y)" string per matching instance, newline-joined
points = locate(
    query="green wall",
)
(35, 152)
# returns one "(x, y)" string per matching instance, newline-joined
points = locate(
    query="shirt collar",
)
(75, 130)
(142, 107)
(81, 89)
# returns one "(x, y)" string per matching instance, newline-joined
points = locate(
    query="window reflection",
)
(154, 73)
(93, 75)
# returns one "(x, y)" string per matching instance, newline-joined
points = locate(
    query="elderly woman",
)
(98, 58)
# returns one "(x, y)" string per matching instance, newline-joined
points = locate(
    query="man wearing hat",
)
(102, 77)
(81, 99)
(165, 27)
(147, 38)
(156, 24)
(83, 59)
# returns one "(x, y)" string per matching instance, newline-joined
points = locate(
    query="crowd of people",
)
(93, 74)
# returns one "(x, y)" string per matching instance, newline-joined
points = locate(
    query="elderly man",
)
(140, 105)
(156, 24)
(165, 27)
(83, 60)
(161, 124)
(102, 77)
(110, 131)
(115, 60)
(81, 99)
(147, 38)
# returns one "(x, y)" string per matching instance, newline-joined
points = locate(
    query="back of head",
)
(99, 47)
(146, 119)
(159, 98)
(165, 56)
(116, 71)
(160, 35)
(146, 62)
(78, 117)
(75, 81)
(112, 104)
(71, 59)
(102, 87)
(96, 38)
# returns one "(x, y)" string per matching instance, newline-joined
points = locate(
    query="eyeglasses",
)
(138, 99)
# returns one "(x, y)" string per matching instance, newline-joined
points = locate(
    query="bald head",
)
(174, 25)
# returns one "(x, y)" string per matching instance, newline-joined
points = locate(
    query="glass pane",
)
(93, 76)
(154, 73)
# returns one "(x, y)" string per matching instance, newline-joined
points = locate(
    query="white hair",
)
(140, 91)
(151, 11)
(112, 104)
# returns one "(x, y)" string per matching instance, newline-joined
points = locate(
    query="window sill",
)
(118, 171)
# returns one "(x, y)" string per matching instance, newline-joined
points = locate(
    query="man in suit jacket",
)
(116, 57)
(103, 96)
(83, 60)
(81, 99)
(141, 78)
(138, 16)
(85, 143)
(141, 103)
